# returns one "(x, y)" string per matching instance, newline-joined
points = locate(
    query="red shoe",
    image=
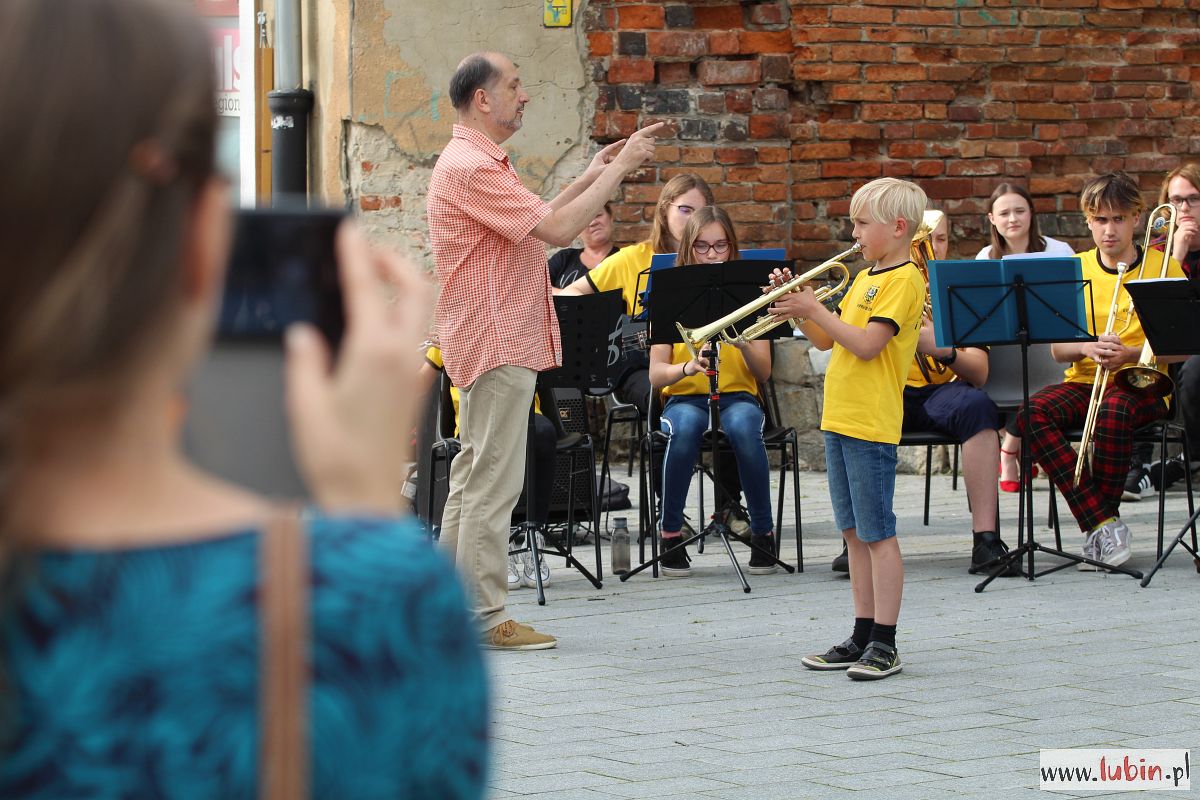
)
(1012, 487)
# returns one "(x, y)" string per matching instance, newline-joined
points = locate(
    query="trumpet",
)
(695, 338)
(1101, 379)
(1145, 376)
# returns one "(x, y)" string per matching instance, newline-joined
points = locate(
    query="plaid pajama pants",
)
(1063, 407)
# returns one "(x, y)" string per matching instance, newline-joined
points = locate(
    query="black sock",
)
(884, 634)
(862, 631)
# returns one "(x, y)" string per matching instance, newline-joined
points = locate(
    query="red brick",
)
(834, 72)
(922, 91)
(630, 70)
(1073, 92)
(933, 131)
(765, 42)
(724, 17)
(723, 43)
(736, 155)
(820, 151)
(1013, 36)
(850, 169)
(992, 17)
(860, 91)
(975, 167)
(860, 53)
(848, 130)
(729, 193)
(897, 169)
(675, 72)
(634, 17)
(767, 14)
(676, 43)
(816, 35)
(696, 155)
(600, 44)
(770, 193)
(771, 174)
(941, 188)
(869, 112)
(928, 169)
(860, 15)
(711, 103)
(886, 73)
(718, 73)
(925, 18)
(776, 68)
(895, 35)
(768, 126)
(1044, 18)
(739, 101)
(752, 212)
(820, 189)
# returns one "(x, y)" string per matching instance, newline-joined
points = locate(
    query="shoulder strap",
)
(283, 666)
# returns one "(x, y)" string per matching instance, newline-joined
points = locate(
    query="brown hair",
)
(1115, 190)
(1037, 242)
(1189, 172)
(660, 234)
(695, 224)
(103, 148)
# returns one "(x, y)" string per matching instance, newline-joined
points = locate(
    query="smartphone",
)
(282, 269)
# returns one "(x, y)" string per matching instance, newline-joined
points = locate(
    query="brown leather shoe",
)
(511, 635)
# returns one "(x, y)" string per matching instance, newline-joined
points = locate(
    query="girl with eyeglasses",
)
(709, 238)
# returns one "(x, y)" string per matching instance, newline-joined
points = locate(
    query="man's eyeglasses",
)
(703, 248)
(1191, 201)
(685, 210)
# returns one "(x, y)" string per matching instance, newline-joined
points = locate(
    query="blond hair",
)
(661, 240)
(1112, 190)
(886, 200)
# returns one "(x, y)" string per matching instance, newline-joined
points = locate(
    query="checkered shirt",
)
(495, 306)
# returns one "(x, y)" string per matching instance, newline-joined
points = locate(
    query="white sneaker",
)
(514, 573)
(1090, 550)
(527, 576)
(1114, 547)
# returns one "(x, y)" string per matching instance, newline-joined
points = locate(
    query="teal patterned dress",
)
(134, 673)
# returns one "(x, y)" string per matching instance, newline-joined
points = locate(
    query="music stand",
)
(992, 302)
(585, 323)
(1168, 308)
(694, 297)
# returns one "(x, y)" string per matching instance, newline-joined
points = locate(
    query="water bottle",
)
(619, 547)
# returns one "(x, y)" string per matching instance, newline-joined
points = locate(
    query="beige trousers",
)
(485, 483)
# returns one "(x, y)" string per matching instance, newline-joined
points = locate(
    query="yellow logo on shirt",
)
(869, 298)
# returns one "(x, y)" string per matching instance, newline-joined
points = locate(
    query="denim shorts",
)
(862, 482)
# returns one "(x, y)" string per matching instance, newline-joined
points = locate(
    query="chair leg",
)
(796, 502)
(928, 478)
(954, 474)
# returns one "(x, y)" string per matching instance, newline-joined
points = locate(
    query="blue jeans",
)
(862, 483)
(684, 420)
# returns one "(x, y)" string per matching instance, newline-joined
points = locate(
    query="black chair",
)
(435, 456)
(776, 437)
(929, 440)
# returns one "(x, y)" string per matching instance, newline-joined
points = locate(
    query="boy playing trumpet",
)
(874, 337)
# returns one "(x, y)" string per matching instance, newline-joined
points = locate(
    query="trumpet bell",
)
(1142, 379)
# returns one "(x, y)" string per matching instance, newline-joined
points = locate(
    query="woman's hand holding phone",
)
(351, 419)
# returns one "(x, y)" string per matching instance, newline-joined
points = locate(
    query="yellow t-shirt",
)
(434, 356)
(1104, 282)
(864, 399)
(621, 271)
(733, 373)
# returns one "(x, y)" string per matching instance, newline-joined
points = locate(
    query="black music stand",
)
(1168, 308)
(693, 297)
(584, 325)
(1018, 310)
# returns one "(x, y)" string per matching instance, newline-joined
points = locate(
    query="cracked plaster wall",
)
(382, 121)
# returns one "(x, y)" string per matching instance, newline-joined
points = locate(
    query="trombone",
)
(1143, 376)
(695, 338)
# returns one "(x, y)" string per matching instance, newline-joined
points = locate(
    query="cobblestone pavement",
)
(689, 688)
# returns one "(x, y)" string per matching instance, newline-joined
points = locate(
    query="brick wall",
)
(786, 108)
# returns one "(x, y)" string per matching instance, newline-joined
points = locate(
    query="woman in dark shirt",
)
(572, 263)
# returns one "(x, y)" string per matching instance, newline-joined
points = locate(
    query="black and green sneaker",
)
(840, 656)
(877, 661)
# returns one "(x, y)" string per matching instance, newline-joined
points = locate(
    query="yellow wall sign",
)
(557, 13)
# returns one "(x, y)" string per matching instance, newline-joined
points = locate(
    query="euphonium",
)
(921, 253)
(695, 338)
(1101, 379)
(1144, 376)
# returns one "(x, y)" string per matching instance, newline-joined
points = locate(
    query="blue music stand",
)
(1023, 302)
